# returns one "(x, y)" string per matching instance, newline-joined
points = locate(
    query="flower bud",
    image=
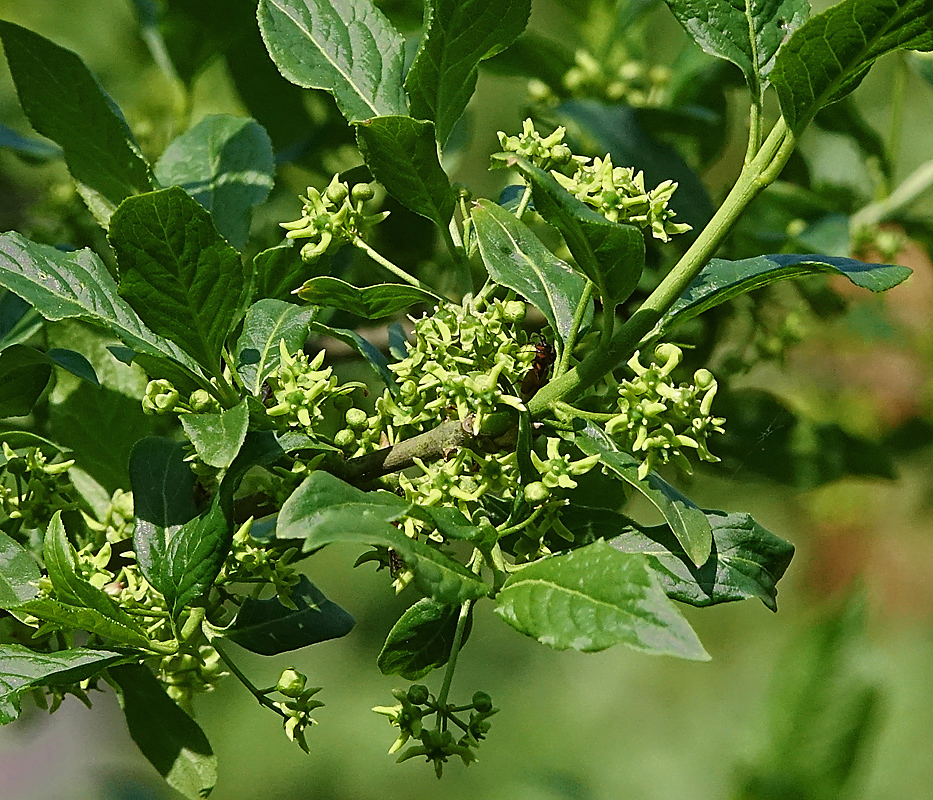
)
(482, 702)
(418, 694)
(291, 683)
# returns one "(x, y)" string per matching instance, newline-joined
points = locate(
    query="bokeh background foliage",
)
(831, 698)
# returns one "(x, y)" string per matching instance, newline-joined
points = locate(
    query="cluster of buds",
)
(187, 674)
(161, 397)
(557, 471)
(331, 218)
(299, 387)
(32, 489)
(634, 83)
(297, 706)
(437, 744)
(544, 152)
(619, 194)
(250, 561)
(657, 418)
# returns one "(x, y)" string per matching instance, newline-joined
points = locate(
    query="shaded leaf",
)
(24, 374)
(27, 147)
(402, 155)
(421, 640)
(687, 520)
(593, 598)
(266, 324)
(226, 164)
(279, 270)
(827, 57)
(171, 741)
(458, 35)
(517, 259)
(64, 102)
(346, 47)
(269, 628)
(370, 353)
(178, 273)
(371, 302)
(18, 573)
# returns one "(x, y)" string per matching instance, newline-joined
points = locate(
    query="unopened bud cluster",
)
(659, 419)
(543, 152)
(331, 218)
(632, 82)
(32, 488)
(297, 705)
(250, 561)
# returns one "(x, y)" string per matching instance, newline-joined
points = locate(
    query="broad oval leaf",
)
(18, 573)
(172, 742)
(748, 32)
(226, 164)
(402, 155)
(267, 323)
(371, 302)
(721, 280)
(63, 101)
(267, 627)
(827, 57)
(178, 273)
(22, 669)
(77, 285)
(24, 374)
(325, 510)
(516, 258)
(687, 520)
(217, 438)
(459, 34)
(346, 47)
(422, 639)
(609, 254)
(593, 598)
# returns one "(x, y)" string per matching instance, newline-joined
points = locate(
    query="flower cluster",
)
(252, 562)
(543, 152)
(297, 706)
(634, 83)
(32, 488)
(331, 218)
(657, 418)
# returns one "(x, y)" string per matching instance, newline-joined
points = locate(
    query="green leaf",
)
(28, 148)
(370, 353)
(722, 280)
(24, 374)
(22, 669)
(421, 640)
(178, 273)
(766, 437)
(609, 254)
(402, 155)
(217, 438)
(746, 32)
(746, 560)
(73, 590)
(73, 618)
(517, 259)
(346, 47)
(18, 573)
(372, 302)
(73, 362)
(226, 164)
(171, 741)
(77, 285)
(827, 57)
(280, 270)
(687, 520)
(325, 510)
(63, 101)
(267, 323)
(593, 598)
(269, 628)
(458, 35)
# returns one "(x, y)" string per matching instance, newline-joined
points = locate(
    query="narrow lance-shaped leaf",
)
(371, 302)
(346, 47)
(608, 253)
(593, 598)
(63, 101)
(178, 273)
(516, 258)
(722, 280)
(77, 285)
(402, 155)
(226, 164)
(746, 32)
(827, 57)
(172, 742)
(687, 520)
(268, 627)
(267, 323)
(459, 34)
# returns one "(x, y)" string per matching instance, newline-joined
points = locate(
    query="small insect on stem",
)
(540, 370)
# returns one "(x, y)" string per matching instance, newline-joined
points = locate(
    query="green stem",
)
(762, 171)
(241, 677)
(578, 315)
(916, 184)
(754, 131)
(396, 270)
(454, 244)
(454, 653)
(523, 203)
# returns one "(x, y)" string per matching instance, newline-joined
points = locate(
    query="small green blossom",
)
(541, 151)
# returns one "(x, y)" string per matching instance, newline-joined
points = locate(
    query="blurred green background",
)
(851, 649)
